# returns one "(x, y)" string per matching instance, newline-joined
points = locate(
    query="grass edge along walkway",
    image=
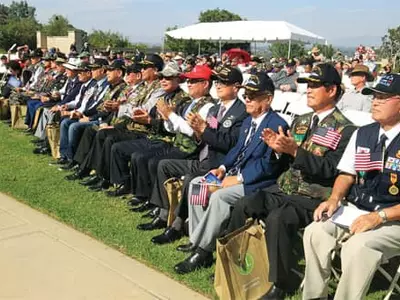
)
(29, 178)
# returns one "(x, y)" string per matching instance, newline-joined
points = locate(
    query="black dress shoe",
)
(59, 161)
(157, 223)
(92, 180)
(79, 174)
(274, 293)
(198, 259)
(41, 150)
(100, 186)
(186, 247)
(152, 213)
(135, 201)
(120, 191)
(69, 167)
(145, 206)
(168, 236)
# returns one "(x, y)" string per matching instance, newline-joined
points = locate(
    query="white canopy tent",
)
(246, 31)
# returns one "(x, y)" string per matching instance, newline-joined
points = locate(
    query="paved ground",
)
(42, 259)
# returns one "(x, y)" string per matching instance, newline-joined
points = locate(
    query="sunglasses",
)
(252, 96)
(168, 78)
(194, 80)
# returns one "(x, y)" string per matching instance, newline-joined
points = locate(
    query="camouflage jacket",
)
(178, 100)
(189, 144)
(297, 181)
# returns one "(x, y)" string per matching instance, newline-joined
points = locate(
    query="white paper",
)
(345, 215)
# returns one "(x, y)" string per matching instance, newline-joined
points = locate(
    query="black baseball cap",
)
(323, 73)
(229, 75)
(98, 63)
(153, 60)
(83, 66)
(259, 82)
(388, 84)
(116, 64)
(134, 68)
(36, 53)
(290, 63)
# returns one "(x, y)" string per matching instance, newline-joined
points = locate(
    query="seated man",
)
(370, 179)
(314, 146)
(285, 80)
(219, 134)
(354, 99)
(248, 166)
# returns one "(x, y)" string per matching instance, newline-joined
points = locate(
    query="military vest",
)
(176, 100)
(112, 94)
(375, 189)
(293, 181)
(185, 143)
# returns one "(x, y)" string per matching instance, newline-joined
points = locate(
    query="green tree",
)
(218, 15)
(3, 14)
(187, 46)
(102, 39)
(57, 25)
(280, 49)
(21, 10)
(390, 47)
(18, 31)
(326, 50)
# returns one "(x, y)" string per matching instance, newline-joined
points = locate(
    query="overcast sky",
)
(341, 22)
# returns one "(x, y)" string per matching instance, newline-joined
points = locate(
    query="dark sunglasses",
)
(169, 78)
(253, 95)
(194, 80)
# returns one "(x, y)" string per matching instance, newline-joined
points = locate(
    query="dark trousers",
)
(144, 166)
(31, 106)
(283, 216)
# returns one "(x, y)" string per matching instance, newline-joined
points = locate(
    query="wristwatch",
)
(383, 215)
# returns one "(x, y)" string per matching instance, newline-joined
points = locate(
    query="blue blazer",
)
(260, 167)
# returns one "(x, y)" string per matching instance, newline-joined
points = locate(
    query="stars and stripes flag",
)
(326, 137)
(212, 122)
(199, 194)
(369, 161)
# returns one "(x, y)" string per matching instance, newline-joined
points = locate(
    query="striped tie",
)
(239, 160)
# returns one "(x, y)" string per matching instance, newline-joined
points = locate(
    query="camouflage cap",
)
(171, 69)
(84, 54)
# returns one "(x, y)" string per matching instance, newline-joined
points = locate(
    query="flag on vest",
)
(369, 161)
(326, 137)
(212, 122)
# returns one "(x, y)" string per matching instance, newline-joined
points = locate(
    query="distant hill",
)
(353, 42)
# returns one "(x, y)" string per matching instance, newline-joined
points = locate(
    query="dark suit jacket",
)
(225, 136)
(260, 167)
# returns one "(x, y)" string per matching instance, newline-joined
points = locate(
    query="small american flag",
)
(212, 122)
(199, 194)
(369, 161)
(326, 137)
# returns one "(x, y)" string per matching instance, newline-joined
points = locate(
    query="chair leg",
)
(393, 282)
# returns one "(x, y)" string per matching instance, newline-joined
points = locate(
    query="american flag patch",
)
(199, 194)
(212, 122)
(369, 161)
(326, 137)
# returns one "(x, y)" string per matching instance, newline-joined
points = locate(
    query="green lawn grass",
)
(29, 179)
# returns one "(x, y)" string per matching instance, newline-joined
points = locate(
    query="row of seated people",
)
(137, 136)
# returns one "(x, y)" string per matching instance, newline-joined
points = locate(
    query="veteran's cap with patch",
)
(323, 73)
(153, 60)
(171, 69)
(98, 63)
(388, 84)
(260, 82)
(134, 68)
(229, 75)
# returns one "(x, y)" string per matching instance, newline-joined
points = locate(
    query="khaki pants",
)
(18, 113)
(361, 255)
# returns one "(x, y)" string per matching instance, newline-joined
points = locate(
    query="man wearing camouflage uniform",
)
(313, 146)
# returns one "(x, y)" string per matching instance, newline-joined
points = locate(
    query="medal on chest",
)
(393, 189)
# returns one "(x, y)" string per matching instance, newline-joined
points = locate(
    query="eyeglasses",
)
(254, 95)
(168, 78)
(195, 80)
(314, 85)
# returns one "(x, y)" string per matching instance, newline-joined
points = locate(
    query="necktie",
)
(312, 128)
(242, 153)
(381, 146)
(221, 112)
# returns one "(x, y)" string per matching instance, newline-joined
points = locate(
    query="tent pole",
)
(290, 48)
(199, 47)
(163, 44)
(220, 47)
(255, 48)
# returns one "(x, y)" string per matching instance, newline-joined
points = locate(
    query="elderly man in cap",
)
(248, 166)
(369, 181)
(218, 134)
(285, 80)
(76, 120)
(183, 144)
(313, 146)
(354, 99)
(68, 93)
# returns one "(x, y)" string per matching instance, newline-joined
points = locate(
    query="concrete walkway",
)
(42, 259)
